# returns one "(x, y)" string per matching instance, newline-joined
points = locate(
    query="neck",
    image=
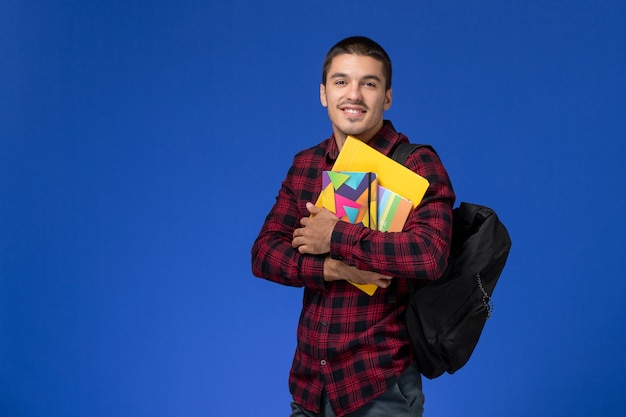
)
(340, 140)
(365, 137)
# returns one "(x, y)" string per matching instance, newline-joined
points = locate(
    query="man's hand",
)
(335, 270)
(314, 235)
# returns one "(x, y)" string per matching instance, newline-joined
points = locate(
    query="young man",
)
(354, 357)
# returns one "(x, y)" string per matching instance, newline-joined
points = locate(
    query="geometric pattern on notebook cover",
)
(352, 196)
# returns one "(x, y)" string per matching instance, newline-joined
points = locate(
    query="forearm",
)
(273, 256)
(274, 259)
(335, 270)
(419, 252)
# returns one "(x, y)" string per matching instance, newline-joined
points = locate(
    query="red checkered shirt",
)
(352, 345)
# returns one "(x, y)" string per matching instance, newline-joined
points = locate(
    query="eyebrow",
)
(367, 77)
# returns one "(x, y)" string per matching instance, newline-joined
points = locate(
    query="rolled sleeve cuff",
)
(342, 241)
(312, 271)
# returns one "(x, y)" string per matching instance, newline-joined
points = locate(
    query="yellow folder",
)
(357, 156)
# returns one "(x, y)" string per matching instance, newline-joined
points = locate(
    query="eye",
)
(370, 84)
(340, 82)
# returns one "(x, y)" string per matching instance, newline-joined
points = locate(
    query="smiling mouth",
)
(353, 112)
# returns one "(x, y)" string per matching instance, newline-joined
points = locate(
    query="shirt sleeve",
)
(273, 258)
(421, 250)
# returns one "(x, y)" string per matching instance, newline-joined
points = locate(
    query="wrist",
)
(332, 269)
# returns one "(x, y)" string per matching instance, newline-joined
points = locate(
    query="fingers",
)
(298, 241)
(307, 242)
(384, 282)
(368, 277)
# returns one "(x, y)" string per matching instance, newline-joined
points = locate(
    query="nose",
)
(354, 92)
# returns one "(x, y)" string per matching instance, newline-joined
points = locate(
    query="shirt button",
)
(324, 323)
(323, 362)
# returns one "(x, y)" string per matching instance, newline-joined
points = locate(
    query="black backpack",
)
(445, 317)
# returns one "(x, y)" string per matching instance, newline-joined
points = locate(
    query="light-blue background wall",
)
(143, 142)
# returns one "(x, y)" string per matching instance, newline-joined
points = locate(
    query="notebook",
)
(397, 184)
(393, 210)
(352, 196)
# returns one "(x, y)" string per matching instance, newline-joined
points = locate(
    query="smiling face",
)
(355, 96)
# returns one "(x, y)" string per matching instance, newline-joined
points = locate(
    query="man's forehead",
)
(353, 62)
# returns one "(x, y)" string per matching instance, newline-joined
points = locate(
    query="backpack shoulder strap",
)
(403, 150)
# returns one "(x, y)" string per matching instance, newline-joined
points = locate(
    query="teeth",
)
(352, 111)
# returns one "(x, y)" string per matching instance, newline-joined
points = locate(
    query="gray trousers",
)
(404, 399)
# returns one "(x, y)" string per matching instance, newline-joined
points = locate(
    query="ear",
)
(388, 99)
(323, 95)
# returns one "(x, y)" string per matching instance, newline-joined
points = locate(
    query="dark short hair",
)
(359, 45)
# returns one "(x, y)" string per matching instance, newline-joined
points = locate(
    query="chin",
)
(353, 131)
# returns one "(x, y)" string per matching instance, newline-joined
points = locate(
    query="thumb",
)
(313, 209)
